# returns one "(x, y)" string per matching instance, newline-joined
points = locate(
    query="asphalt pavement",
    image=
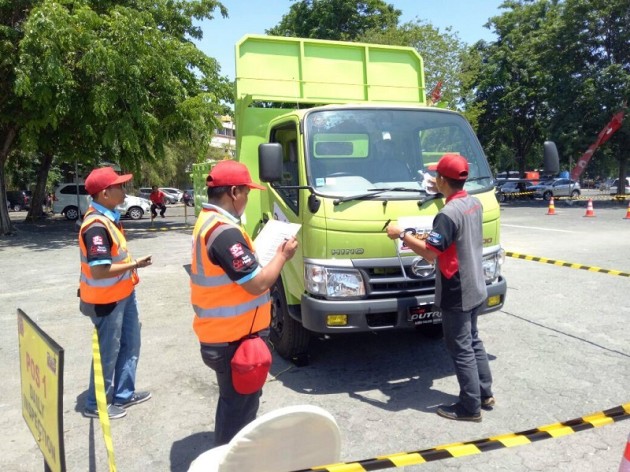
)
(558, 350)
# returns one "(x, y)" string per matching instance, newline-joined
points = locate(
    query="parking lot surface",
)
(558, 350)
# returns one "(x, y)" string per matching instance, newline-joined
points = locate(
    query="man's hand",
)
(144, 261)
(288, 248)
(393, 231)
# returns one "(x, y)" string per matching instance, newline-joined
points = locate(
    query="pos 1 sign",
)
(41, 373)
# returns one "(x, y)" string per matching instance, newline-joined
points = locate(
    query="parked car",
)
(19, 199)
(557, 188)
(615, 184)
(65, 203)
(144, 192)
(174, 194)
(515, 190)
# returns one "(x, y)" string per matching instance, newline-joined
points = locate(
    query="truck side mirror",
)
(551, 160)
(270, 162)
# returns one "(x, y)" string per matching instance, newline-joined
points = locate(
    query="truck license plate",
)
(424, 314)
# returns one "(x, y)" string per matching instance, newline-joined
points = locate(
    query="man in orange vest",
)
(107, 291)
(230, 289)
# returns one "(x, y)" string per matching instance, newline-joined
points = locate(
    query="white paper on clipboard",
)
(271, 236)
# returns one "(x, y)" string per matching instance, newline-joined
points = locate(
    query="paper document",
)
(271, 236)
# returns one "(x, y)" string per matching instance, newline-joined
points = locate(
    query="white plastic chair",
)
(290, 438)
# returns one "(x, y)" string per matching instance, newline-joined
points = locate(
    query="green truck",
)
(343, 138)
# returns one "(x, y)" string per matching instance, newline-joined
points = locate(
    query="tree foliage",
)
(113, 80)
(442, 54)
(343, 20)
(558, 70)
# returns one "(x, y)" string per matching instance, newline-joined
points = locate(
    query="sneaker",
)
(162, 216)
(457, 412)
(113, 412)
(138, 397)
(487, 403)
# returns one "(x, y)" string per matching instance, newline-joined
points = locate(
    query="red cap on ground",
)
(250, 365)
(453, 166)
(103, 177)
(227, 173)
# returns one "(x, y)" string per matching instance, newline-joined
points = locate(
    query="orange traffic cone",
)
(589, 208)
(625, 459)
(627, 217)
(552, 207)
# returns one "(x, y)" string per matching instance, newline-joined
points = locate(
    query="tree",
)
(91, 81)
(343, 20)
(442, 55)
(512, 86)
(591, 60)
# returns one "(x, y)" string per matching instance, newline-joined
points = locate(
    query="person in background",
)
(455, 242)
(158, 200)
(230, 289)
(107, 293)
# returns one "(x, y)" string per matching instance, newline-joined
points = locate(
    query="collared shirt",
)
(457, 239)
(98, 240)
(230, 250)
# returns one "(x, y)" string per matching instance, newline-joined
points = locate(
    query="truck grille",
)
(384, 278)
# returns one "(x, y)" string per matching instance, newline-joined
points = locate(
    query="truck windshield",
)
(356, 150)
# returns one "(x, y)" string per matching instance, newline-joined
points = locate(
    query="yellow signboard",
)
(41, 372)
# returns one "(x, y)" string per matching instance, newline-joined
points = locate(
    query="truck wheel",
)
(431, 331)
(287, 335)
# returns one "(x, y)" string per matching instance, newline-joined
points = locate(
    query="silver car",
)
(557, 188)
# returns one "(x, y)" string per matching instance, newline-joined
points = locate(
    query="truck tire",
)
(287, 335)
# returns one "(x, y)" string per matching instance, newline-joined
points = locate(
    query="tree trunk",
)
(6, 227)
(37, 200)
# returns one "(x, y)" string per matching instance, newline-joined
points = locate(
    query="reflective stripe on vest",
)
(110, 289)
(224, 311)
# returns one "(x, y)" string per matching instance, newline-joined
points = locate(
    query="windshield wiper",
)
(373, 192)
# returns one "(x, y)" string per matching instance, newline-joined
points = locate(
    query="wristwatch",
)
(403, 233)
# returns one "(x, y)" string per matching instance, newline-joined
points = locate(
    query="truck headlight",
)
(492, 266)
(333, 283)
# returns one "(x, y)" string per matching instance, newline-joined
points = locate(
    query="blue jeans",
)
(469, 357)
(119, 342)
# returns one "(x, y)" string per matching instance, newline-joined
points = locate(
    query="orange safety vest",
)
(224, 311)
(111, 289)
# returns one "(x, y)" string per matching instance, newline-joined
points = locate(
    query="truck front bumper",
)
(375, 315)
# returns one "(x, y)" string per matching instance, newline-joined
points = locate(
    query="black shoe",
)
(138, 397)
(487, 403)
(113, 411)
(457, 412)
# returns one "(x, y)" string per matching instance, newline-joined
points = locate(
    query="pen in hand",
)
(386, 223)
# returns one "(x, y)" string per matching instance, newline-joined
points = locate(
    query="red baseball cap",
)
(453, 166)
(250, 365)
(103, 177)
(227, 173)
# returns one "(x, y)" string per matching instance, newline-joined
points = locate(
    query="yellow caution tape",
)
(479, 446)
(101, 401)
(572, 265)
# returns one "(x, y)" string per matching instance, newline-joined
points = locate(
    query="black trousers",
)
(155, 206)
(234, 410)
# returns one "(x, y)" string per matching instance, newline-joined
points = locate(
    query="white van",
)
(615, 184)
(66, 199)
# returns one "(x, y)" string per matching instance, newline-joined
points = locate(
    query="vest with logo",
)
(224, 310)
(110, 289)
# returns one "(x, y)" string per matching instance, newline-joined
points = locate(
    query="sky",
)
(466, 17)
